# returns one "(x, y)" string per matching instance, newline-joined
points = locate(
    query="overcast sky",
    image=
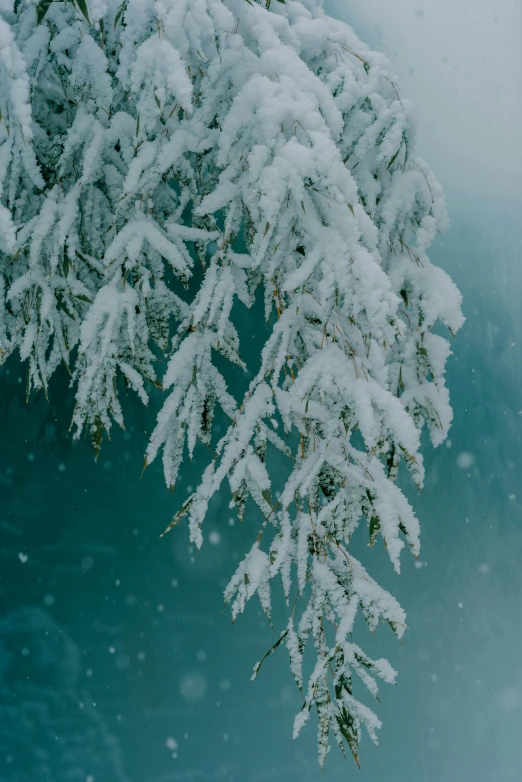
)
(460, 61)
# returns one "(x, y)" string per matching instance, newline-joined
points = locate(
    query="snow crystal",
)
(214, 537)
(123, 662)
(87, 563)
(465, 460)
(193, 686)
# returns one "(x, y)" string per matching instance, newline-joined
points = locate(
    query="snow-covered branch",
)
(259, 147)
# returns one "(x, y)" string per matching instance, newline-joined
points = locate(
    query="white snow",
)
(272, 151)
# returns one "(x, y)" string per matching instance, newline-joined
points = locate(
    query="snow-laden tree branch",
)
(265, 144)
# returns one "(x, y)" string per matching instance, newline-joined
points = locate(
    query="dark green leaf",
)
(182, 512)
(272, 649)
(118, 15)
(375, 528)
(363, 660)
(401, 381)
(41, 9)
(267, 496)
(394, 158)
(63, 304)
(82, 5)
(66, 263)
(347, 729)
(393, 625)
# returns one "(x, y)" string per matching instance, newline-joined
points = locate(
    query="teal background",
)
(112, 640)
(116, 661)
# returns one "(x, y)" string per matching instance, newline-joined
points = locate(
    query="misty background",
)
(116, 664)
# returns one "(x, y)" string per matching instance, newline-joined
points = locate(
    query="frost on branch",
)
(258, 148)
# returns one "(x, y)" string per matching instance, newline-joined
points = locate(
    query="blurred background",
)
(116, 661)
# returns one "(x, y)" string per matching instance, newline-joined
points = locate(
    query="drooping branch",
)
(264, 146)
